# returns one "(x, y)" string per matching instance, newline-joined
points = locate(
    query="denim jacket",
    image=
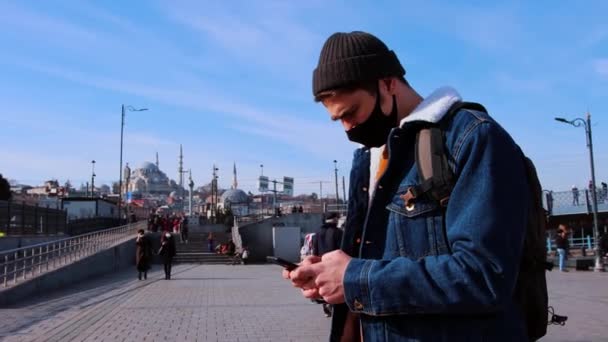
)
(429, 273)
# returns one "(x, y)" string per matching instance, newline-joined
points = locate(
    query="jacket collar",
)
(434, 106)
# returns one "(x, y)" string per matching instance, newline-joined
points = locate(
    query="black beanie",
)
(350, 58)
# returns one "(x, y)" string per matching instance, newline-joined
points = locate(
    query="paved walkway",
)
(238, 303)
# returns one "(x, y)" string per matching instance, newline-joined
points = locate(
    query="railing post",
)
(24, 263)
(589, 242)
(15, 267)
(40, 260)
(47, 257)
(5, 269)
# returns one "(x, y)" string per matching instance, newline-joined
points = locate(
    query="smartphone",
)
(290, 266)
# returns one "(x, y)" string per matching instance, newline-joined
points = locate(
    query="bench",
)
(583, 264)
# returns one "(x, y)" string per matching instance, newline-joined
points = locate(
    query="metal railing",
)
(571, 202)
(337, 208)
(586, 242)
(20, 264)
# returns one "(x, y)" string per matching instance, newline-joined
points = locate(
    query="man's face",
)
(352, 108)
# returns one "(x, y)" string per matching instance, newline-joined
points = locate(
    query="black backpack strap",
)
(436, 176)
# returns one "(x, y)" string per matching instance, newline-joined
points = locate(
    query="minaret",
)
(180, 171)
(234, 182)
(157, 161)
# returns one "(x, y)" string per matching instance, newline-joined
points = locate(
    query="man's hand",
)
(323, 278)
(302, 282)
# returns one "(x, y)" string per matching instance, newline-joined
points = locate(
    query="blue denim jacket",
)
(434, 274)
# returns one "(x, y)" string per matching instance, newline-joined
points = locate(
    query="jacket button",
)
(358, 305)
(364, 189)
(379, 186)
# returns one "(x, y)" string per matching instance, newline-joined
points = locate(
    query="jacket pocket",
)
(417, 228)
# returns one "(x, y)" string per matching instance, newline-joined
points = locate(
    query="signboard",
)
(288, 186)
(263, 184)
(129, 196)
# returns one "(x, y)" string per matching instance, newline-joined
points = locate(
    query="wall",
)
(257, 237)
(12, 242)
(79, 209)
(111, 260)
(105, 209)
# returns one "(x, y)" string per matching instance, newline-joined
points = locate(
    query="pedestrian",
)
(245, 255)
(143, 253)
(605, 191)
(167, 252)
(415, 265)
(151, 220)
(574, 195)
(184, 229)
(563, 246)
(326, 240)
(210, 241)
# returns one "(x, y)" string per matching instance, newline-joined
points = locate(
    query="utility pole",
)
(93, 179)
(191, 186)
(214, 194)
(599, 265)
(336, 173)
(343, 189)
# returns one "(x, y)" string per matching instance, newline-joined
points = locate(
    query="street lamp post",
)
(93, 179)
(578, 122)
(336, 174)
(122, 127)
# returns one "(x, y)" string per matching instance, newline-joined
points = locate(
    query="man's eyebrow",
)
(345, 113)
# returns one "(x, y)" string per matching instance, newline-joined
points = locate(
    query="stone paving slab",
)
(237, 303)
(200, 303)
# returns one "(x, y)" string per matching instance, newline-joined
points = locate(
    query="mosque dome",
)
(235, 196)
(148, 166)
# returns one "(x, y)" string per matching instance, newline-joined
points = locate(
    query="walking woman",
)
(143, 252)
(167, 252)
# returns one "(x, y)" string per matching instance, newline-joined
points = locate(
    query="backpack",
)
(307, 247)
(436, 183)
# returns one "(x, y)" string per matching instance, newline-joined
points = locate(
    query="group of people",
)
(144, 253)
(175, 223)
(602, 193)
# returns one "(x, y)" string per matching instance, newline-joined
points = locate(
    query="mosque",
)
(148, 179)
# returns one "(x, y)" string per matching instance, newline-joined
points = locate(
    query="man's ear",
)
(390, 84)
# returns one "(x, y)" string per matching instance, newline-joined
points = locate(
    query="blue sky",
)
(231, 81)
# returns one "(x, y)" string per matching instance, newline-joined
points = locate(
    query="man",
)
(562, 245)
(167, 252)
(425, 270)
(326, 240)
(143, 253)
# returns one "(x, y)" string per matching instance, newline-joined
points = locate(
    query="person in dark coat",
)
(167, 252)
(326, 240)
(143, 253)
(184, 229)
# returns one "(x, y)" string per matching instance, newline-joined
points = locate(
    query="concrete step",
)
(202, 258)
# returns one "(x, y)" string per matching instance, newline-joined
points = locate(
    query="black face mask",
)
(375, 130)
